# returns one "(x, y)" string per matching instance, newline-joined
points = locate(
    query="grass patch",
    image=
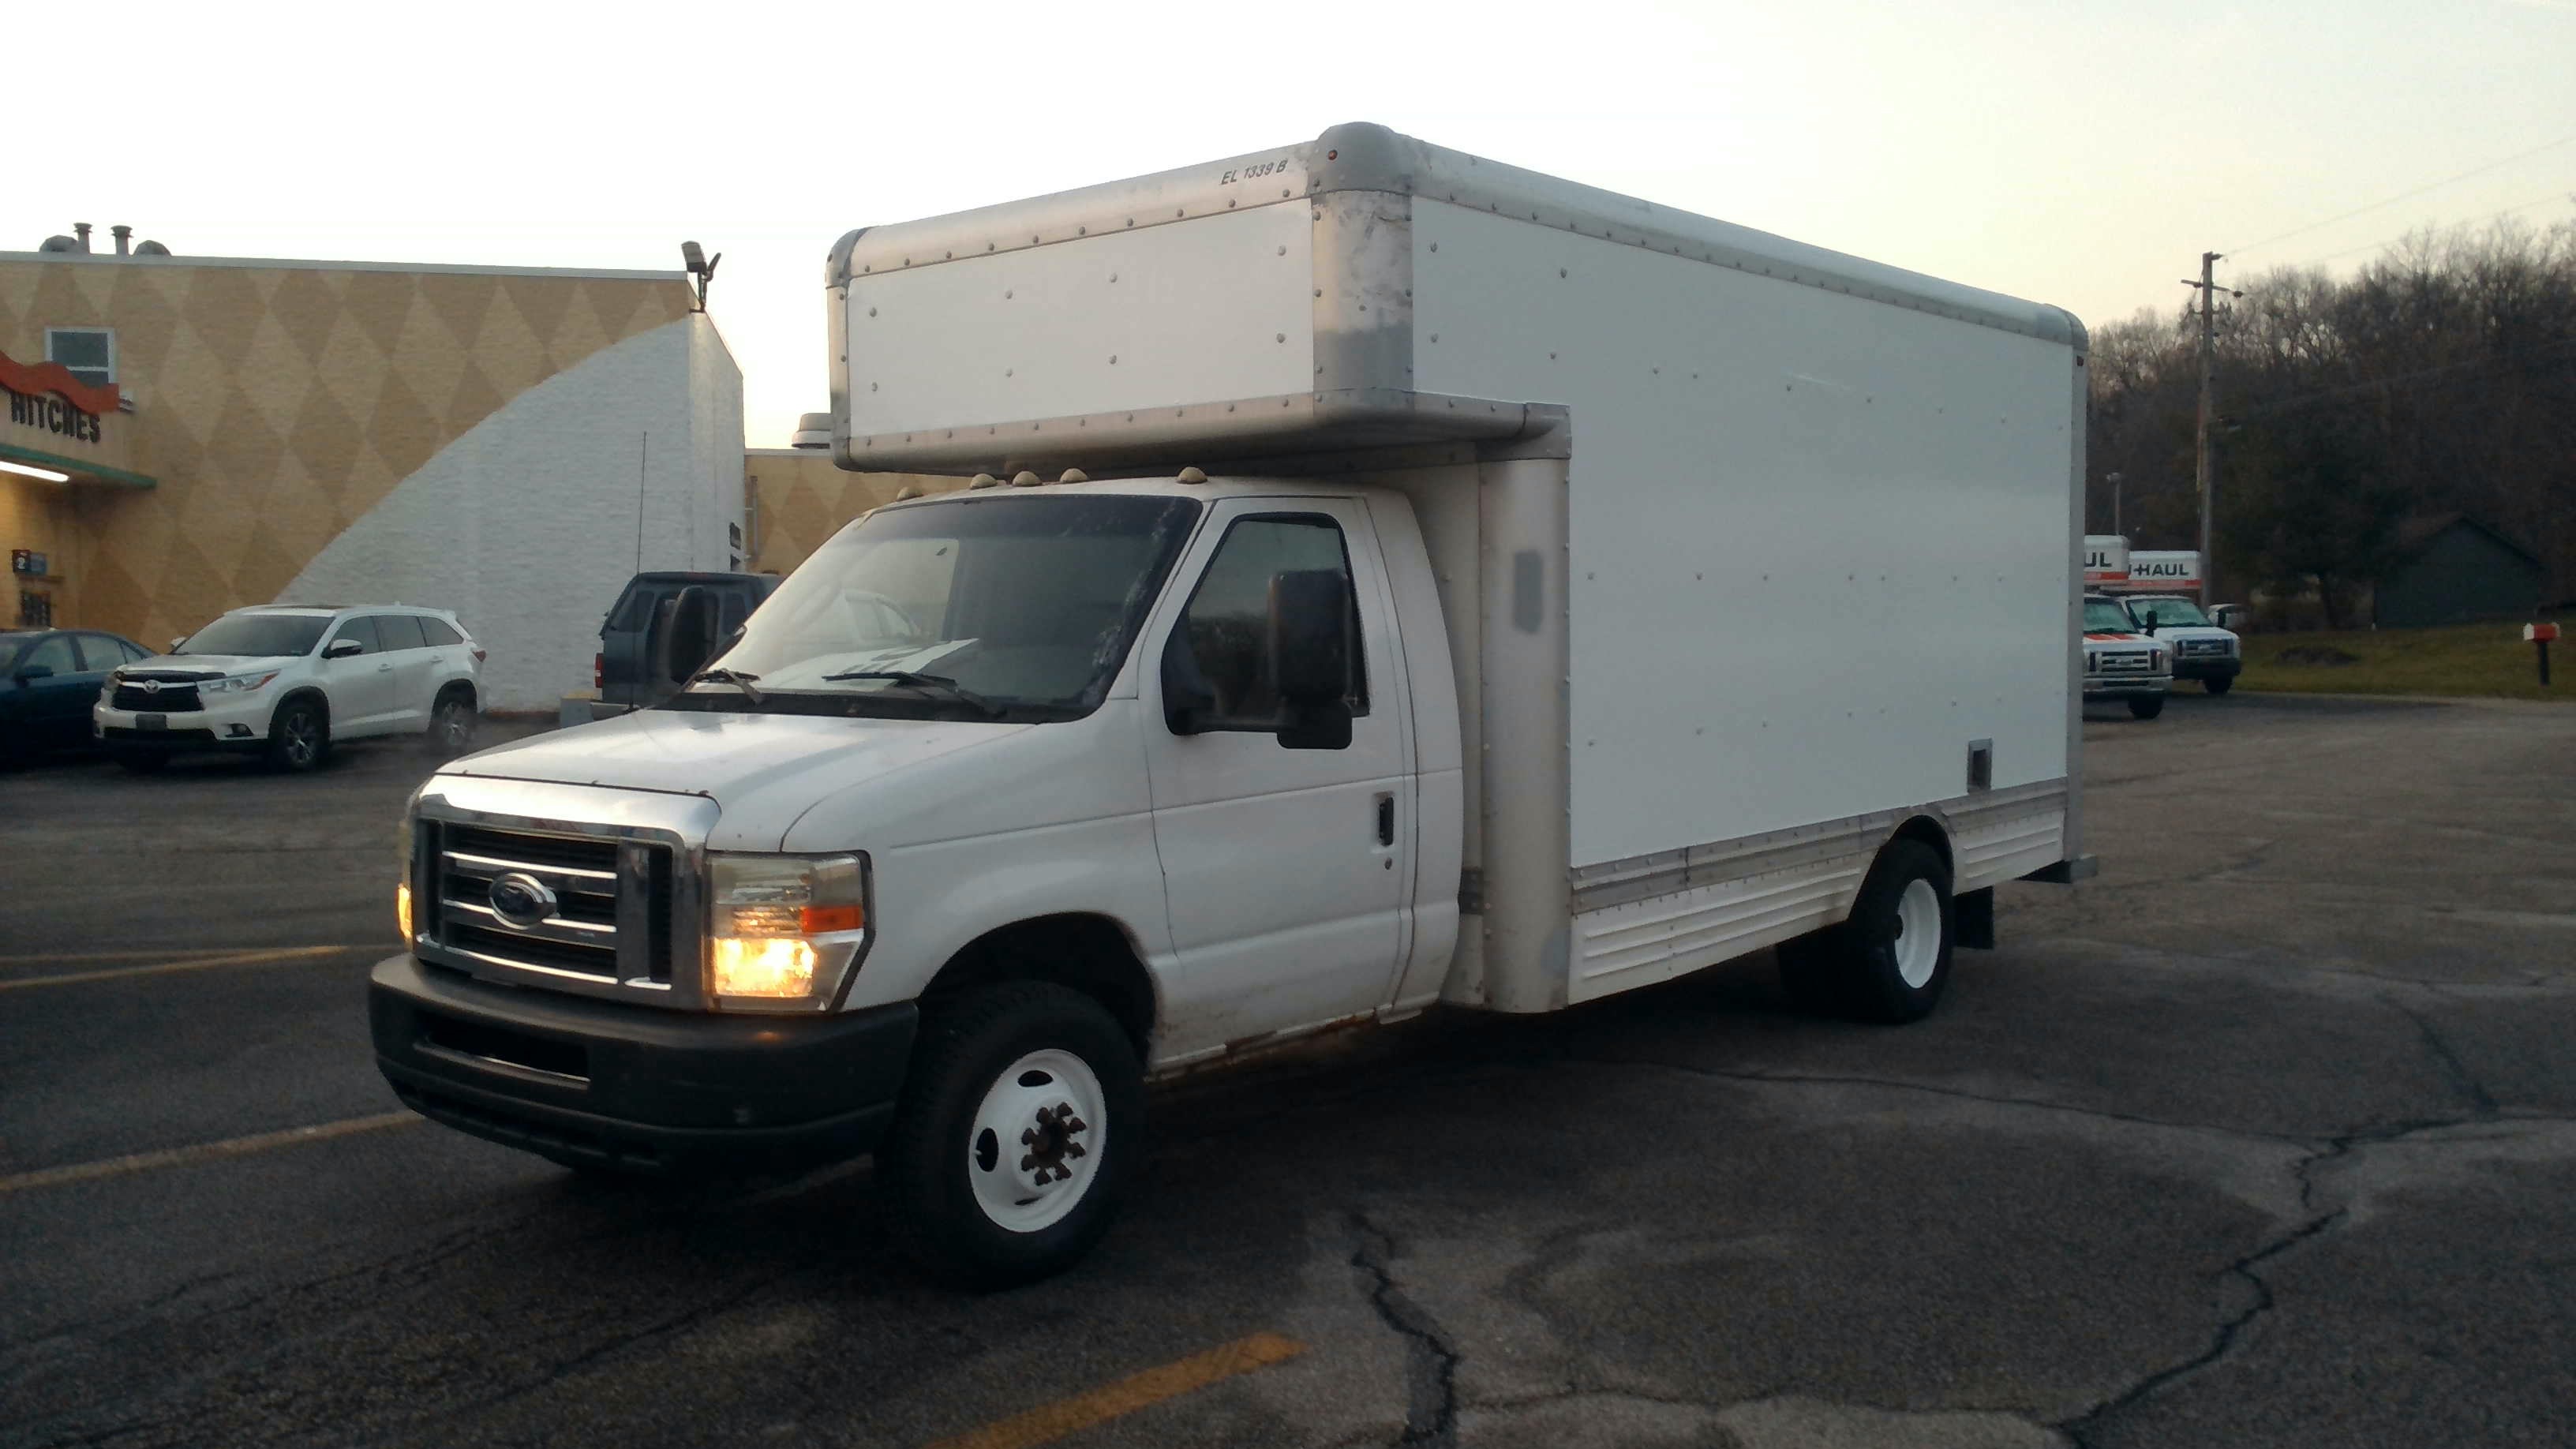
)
(2485, 660)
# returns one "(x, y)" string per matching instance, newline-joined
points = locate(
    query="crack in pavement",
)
(1432, 1357)
(2081, 1427)
(2462, 1079)
(1819, 1079)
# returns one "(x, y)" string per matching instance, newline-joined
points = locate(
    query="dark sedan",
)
(49, 678)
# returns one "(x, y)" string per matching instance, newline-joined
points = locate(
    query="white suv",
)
(287, 680)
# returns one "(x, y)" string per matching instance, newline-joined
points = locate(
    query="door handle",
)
(1386, 820)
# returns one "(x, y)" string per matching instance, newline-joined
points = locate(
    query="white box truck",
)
(1416, 581)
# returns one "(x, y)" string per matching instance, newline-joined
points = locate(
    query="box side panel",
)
(1818, 543)
(1207, 310)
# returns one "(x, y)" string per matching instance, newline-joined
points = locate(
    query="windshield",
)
(257, 635)
(2169, 612)
(1006, 607)
(2103, 616)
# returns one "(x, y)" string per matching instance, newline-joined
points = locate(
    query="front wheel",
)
(2220, 684)
(298, 736)
(1020, 1120)
(2147, 706)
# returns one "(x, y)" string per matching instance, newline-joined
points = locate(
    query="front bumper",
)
(230, 724)
(2126, 686)
(2214, 666)
(638, 1088)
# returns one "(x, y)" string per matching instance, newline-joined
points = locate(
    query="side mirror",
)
(34, 672)
(1310, 657)
(2151, 621)
(684, 635)
(342, 649)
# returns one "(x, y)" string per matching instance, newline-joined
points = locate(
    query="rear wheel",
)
(452, 722)
(1021, 1118)
(2219, 684)
(1890, 961)
(299, 736)
(2147, 706)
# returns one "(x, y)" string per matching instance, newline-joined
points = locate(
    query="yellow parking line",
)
(264, 957)
(203, 1151)
(1137, 1391)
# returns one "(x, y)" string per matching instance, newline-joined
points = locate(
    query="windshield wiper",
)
(915, 680)
(734, 677)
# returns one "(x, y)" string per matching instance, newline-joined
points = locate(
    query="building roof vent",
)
(59, 244)
(151, 249)
(813, 430)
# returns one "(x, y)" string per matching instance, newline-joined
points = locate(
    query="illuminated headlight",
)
(785, 930)
(237, 684)
(402, 909)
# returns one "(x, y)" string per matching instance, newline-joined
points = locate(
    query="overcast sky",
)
(2075, 152)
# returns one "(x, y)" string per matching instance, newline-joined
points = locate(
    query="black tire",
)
(931, 1159)
(143, 762)
(452, 723)
(2147, 706)
(299, 736)
(2219, 685)
(1858, 969)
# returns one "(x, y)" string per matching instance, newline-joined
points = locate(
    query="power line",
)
(2367, 383)
(2454, 226)
(2405, 196)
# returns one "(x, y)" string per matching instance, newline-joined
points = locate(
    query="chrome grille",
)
(2203, 646)
(167, 699)
(611, 920)
(2126, 664)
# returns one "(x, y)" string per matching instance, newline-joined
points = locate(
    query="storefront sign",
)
(60, 424)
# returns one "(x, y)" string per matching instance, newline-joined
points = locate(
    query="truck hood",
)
(763, 770)
(2175, 633)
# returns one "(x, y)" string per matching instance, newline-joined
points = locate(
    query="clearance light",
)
(786, 929)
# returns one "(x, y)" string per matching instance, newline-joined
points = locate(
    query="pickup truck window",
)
(1227, 623)
(1023, 606)
(2104, 616)
(2170, 613)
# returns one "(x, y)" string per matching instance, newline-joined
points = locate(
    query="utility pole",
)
(2207, 289)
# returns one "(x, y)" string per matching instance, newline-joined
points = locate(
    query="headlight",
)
(785, 930)
(237, 684)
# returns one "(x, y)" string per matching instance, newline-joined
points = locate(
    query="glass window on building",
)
(90, 352)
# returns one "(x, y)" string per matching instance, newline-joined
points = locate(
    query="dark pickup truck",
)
(623, 669)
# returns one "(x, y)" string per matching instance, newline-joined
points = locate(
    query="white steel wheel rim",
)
(1037, 1140)
(1918, 933)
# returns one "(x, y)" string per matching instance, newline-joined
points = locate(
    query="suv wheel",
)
(299, 736)
(452, 723)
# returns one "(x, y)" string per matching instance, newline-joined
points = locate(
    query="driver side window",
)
(1224, 634)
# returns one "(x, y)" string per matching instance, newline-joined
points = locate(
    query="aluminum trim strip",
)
(552, 928)
(498, 866)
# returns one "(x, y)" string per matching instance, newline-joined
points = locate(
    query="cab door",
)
(1286, 871)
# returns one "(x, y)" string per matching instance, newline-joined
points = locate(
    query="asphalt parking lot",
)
(2267, 1136)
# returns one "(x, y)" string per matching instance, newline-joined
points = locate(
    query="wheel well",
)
(308, 692)
(1928, 830)
(458, 686)
(1090, 954)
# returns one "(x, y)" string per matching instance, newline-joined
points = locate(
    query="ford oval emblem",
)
(521, 900)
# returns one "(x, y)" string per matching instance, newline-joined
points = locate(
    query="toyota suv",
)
(290, 680)
(2120, 663)
(2202, 650)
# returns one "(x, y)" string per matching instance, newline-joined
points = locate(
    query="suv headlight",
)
(236, 684)
(784, 931)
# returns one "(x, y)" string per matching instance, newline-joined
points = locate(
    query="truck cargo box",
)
(1750, 554)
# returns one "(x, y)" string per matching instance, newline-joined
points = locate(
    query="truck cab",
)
(2121, 663)
(2202, 650)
